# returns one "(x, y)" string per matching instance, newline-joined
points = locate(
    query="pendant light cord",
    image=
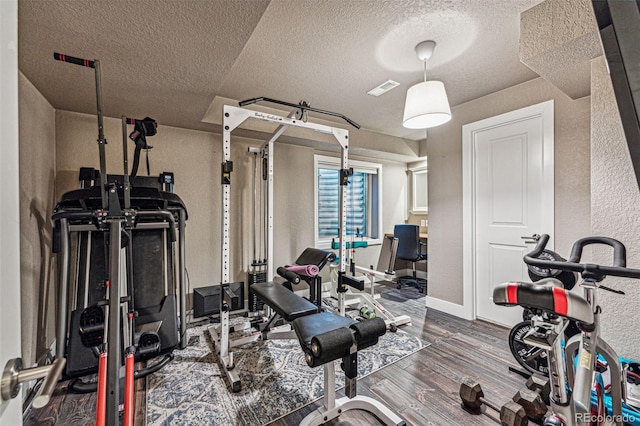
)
(425, 71)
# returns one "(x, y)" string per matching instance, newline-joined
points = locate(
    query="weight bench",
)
(324, 338)
(284, 302)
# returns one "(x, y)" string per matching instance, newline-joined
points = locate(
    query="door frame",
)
(10, 340)
(545, 110)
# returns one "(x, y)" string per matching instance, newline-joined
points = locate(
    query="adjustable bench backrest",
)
(314, 256)
(282, 300)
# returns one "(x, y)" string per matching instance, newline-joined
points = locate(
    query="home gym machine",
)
(233, 117)
(121, 265)
(324, 336)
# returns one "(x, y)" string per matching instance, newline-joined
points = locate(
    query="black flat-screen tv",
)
(619, 25)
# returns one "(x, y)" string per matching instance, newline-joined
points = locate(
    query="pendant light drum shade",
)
(426, 106)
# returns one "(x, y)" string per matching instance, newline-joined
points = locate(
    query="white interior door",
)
(513, 194)
(10, 411)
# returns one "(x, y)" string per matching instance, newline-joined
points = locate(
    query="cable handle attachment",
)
(73, 60)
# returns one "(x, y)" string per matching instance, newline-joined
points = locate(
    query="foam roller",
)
(367, 332)
(330, 346)
(290, 276)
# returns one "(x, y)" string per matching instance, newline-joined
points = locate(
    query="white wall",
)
(615, 203)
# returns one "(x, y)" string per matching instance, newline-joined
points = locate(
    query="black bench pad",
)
(307, 327)
(283, 301)
(314, 256)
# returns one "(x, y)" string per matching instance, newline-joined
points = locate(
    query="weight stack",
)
(256, 276)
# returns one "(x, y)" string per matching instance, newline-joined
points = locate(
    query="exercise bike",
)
(577, 387)
(531, 358)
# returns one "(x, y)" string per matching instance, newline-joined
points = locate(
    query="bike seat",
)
(547, 295)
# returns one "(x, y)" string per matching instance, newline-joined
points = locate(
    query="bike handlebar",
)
(619, 251)
(618, 269)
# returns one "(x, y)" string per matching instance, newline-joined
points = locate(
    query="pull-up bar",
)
(301, 106)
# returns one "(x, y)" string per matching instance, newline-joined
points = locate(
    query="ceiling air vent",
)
(383, 88)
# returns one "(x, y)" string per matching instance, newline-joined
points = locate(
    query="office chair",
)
(410, 249)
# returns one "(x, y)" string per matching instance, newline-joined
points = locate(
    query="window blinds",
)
(329, 208)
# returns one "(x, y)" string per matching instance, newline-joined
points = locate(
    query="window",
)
(419, 185)
(363, 196)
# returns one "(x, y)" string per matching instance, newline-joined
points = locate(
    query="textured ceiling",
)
(169, 59)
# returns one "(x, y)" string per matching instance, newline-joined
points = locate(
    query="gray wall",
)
(294, 201)
(444, 150)
(37, 195)
(192, 155)
(195, 158)
(615, 202)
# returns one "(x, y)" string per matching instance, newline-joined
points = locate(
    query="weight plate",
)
(534, 360)
(537, 273)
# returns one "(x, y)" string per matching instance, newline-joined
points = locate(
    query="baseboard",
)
(448, 307)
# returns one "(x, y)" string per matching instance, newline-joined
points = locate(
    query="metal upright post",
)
(269, 230)
(225, 251)
(342, 253)
(114, 360)
(102, 141)
(125, 157)
(63, 288)
(221, 338)
(182, 218)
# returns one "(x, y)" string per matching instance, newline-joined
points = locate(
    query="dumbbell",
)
(534, 397)
(541, 385)
(472, 396)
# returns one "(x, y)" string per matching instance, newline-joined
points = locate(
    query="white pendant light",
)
(426, 104)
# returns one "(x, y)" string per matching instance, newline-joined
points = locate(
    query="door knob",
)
(14, 375)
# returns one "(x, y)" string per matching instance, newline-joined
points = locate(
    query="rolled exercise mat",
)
(307, 270)
(288, 275)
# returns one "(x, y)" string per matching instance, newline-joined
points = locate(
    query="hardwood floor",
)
(422, 388)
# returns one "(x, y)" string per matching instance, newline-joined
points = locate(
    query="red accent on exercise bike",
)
(129, 390)
(512, 293)
(597, 410)
(101, 404)
(560, 304)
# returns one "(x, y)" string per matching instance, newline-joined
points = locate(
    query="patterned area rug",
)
(275, 380)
